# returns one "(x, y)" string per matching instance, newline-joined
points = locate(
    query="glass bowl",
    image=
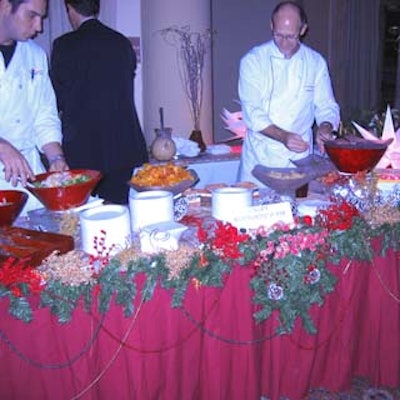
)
(352, 155)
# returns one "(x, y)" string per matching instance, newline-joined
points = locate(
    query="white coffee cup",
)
(228, 201)
(150, 207)
(105, 228)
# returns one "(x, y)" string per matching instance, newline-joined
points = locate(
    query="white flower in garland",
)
(275, 292)
(313, 276)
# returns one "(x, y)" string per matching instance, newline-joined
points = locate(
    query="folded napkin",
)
(388, 132)
(234, 123)
(218, 149)
(186, 147)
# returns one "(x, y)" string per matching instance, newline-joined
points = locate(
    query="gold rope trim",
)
(383, 284)
(346, 268)
(113, 358)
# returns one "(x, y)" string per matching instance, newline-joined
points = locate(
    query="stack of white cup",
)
(150, 207)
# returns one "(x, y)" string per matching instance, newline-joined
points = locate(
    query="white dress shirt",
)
(28, 109)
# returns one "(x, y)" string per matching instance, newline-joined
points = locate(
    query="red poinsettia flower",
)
(338, 216)
(14, 273)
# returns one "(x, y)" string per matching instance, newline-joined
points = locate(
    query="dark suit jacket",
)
(92, 70)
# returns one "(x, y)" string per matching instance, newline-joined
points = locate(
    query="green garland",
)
(296, 281)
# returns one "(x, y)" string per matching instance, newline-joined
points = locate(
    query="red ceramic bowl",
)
(355, 156)
(11, 204)
(60, 198)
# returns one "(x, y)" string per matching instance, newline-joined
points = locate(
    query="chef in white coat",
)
(29, 121)
(284, 87)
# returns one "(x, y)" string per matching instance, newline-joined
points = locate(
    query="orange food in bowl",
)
(161, 175)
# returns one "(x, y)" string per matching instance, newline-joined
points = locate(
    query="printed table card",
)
(263, 215)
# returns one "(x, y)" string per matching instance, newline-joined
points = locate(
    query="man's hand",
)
(55, 157)
(292, 141)
(324, 133)
(295, 142)
(16, 167)
(58, 165)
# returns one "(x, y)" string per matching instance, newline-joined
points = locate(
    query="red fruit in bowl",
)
(355, 155)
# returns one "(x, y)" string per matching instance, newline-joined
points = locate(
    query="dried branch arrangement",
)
(191, 49)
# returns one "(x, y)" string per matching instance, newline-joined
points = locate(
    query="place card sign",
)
(263, 215)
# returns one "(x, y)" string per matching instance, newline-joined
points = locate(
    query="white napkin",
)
(234, 123)
(388, 132)
(161, 236)
(218, 149)
(186, 147)
(93, 201)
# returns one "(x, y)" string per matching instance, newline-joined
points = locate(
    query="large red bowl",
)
(352, 156)
(11, 204)
(60, 198)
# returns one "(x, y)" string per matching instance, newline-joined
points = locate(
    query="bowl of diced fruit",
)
(169, 177)
(59, 191)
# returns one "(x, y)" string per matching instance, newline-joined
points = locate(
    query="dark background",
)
(239, 25)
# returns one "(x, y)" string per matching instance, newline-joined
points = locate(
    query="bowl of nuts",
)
(283, 180)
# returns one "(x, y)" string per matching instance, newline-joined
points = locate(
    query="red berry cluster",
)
(102, 252)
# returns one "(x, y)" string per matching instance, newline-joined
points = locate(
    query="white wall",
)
(128, 22)
(162, 77)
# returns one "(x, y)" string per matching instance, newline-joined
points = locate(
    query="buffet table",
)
(210, 348)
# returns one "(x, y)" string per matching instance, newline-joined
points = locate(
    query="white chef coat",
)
(28, 109)
(290, 93)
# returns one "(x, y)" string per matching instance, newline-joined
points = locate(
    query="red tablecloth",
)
(211, 348)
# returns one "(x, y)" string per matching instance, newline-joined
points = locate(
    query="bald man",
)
(284, 87)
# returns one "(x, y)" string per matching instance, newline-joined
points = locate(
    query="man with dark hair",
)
(284, 86)
(15, 4)
(93, 69)
(29, 121)
(85, 8)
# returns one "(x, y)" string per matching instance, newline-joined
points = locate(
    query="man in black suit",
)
(92, 70)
